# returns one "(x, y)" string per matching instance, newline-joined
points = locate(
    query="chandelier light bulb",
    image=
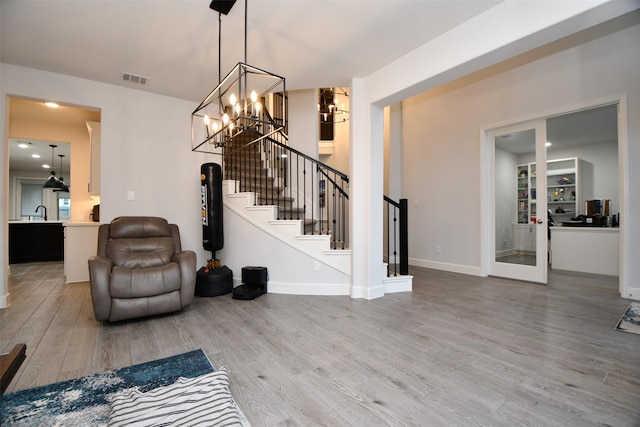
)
(258, 107)
(238, 108)
(232, 99)
(215, 127)
(254, 96)
(231, 126)
(207, 120)
(225, 119)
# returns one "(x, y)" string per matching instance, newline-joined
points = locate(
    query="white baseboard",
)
(304, 288)
(4, 300)
(367, 293)
(454, 268)
(633, 293)
(395, 284)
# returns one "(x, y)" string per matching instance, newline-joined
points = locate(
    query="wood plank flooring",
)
(459, 350)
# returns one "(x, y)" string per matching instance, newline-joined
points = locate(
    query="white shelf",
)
(573, 168)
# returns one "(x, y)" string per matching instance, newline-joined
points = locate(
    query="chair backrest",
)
(140, 242)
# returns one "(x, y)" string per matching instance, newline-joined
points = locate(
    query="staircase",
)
(276, 200)
(258, 171)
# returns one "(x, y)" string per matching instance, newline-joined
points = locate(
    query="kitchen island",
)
(35, 241)
(585, 249)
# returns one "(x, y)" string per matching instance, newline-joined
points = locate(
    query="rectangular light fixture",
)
(222, 6)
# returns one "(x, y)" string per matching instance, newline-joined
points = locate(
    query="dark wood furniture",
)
(10, 363)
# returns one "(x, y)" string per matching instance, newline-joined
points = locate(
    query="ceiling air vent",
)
(134, 78)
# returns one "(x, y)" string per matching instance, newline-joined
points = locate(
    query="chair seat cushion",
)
(144, 282)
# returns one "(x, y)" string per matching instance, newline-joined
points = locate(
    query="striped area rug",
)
(85, 401)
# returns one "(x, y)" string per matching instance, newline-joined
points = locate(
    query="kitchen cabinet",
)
(586, 249)
(94, 166)
(35, 241)
(569, 184)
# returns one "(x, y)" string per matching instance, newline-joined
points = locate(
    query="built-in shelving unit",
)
(567, 189)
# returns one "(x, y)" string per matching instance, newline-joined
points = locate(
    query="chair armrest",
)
(187, 262)
(99, 273)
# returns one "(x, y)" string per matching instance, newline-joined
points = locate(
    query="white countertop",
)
(81, 224)
(589, 229)
(37, 221)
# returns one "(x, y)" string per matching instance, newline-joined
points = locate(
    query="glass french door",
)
(518, 241)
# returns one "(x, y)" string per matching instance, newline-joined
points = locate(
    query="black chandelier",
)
(332, 109)
(240, 102)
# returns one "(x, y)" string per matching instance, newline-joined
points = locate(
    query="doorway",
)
(582, 154)
(43, 139)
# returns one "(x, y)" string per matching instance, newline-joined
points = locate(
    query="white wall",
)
(145, 148)
(303, 121)
(443, 147)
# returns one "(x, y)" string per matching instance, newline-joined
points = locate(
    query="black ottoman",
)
(211, 282)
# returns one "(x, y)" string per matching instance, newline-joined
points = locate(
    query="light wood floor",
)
(458, 351)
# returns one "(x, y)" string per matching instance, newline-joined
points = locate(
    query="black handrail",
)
(266, 165)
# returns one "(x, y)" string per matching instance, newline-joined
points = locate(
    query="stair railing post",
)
(404, 237)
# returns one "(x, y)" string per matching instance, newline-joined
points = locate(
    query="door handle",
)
(540, 221)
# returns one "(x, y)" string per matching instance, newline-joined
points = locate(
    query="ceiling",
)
(312, 43)
(589, 126)
(35, 112)
(174, 43)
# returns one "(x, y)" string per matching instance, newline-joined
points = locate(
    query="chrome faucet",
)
(44, 209)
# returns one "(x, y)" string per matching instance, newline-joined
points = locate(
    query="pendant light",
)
(61, 185)
(52, 182)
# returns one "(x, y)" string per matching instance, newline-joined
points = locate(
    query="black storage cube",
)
(211, 282)
(255, 275)
(254, 281)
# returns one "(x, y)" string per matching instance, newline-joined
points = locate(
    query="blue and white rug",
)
(630, 321)
(85, 401)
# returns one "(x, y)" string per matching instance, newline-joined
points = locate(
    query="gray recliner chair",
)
(140, 269)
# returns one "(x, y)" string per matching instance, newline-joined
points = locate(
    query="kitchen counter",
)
(34, 221)
(35, 241)
(585, 249)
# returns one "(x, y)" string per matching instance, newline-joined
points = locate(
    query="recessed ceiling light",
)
(35, 156)
(23, 145)
(46, 166)
(547, 144)
(52, 104)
